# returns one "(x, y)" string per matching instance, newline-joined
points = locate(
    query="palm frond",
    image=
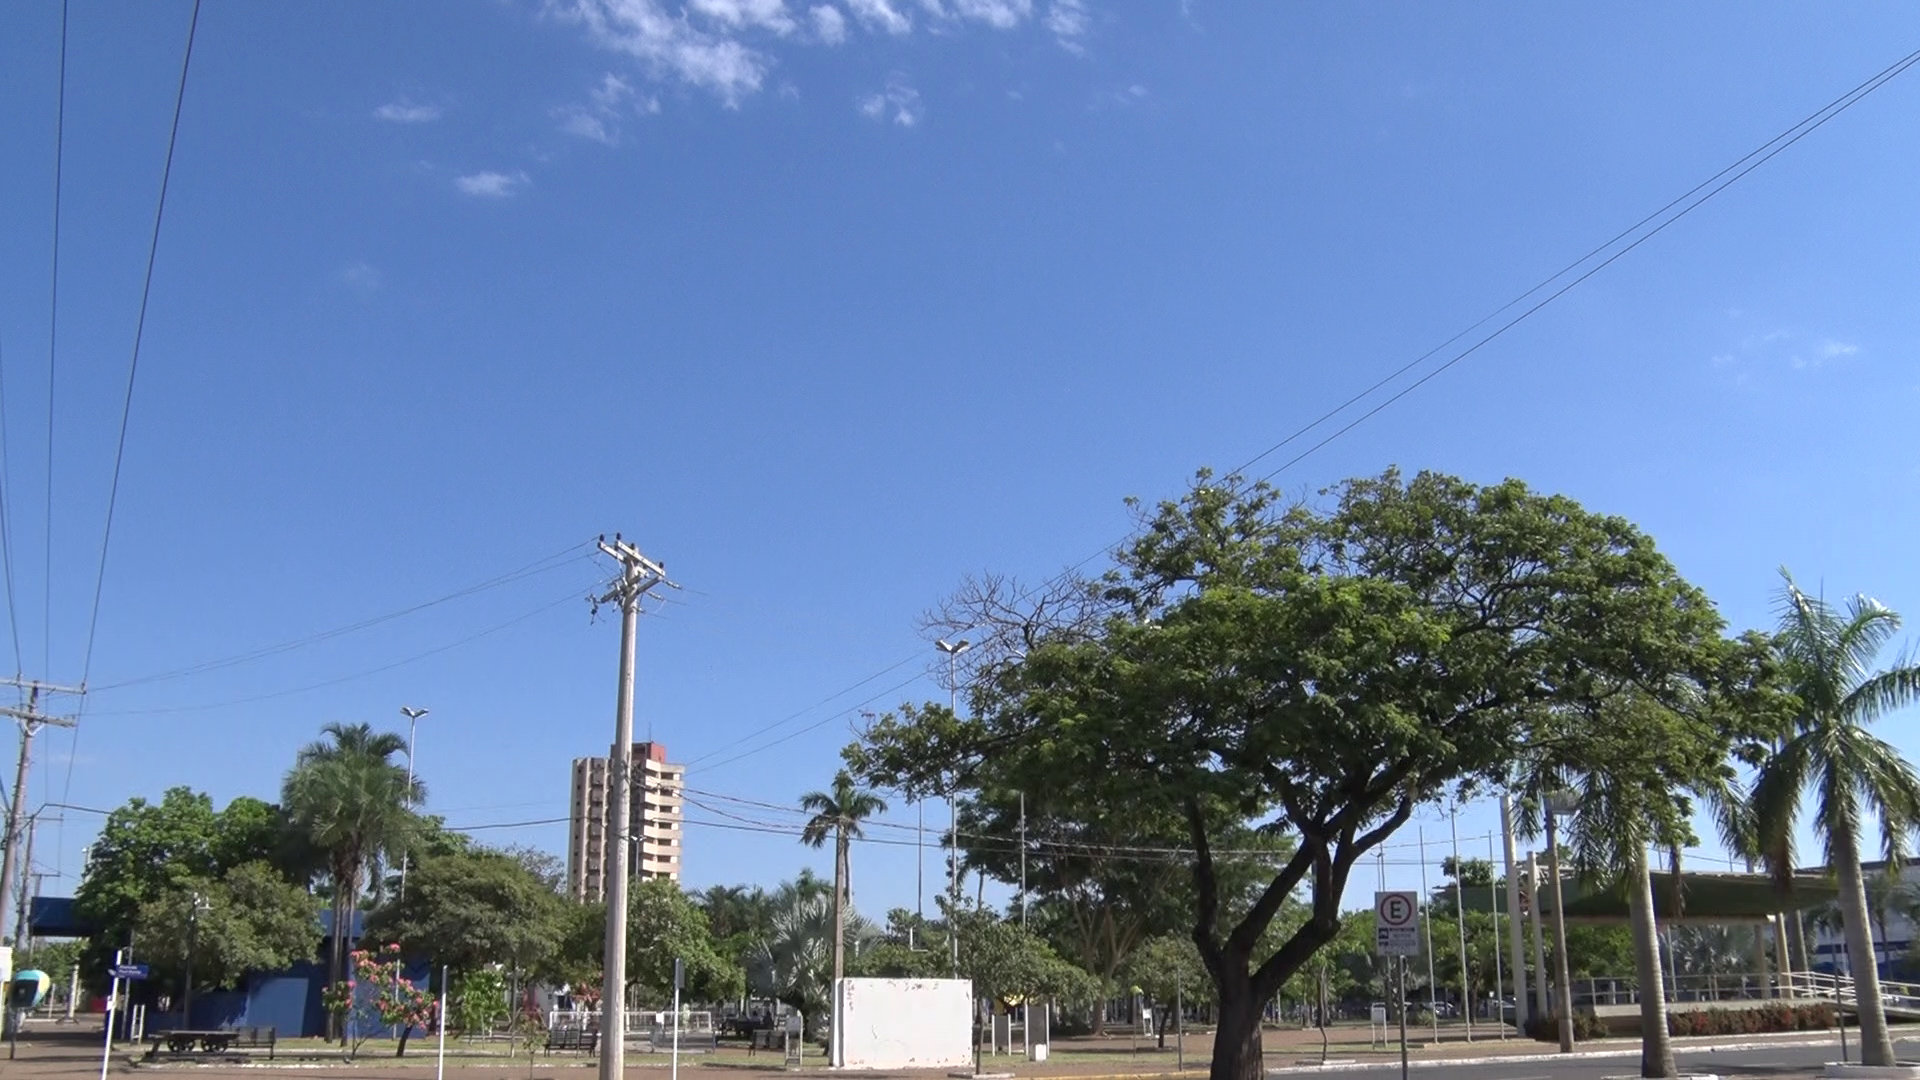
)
(1882, 693)
(1867, 628)
(1776, 806)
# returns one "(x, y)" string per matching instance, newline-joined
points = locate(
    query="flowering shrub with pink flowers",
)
(376, 983)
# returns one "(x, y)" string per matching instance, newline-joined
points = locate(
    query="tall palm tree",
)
(838, 814)
(1826, 656)
(354, 804)
(1637, 768)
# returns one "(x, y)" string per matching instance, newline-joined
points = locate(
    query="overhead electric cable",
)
(126, 407)
(139, 332)
(415, 658)
(752, 735)
(53, 332)
(539, 566)
(6, 520)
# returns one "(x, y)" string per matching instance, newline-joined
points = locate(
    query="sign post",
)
(1396, 928)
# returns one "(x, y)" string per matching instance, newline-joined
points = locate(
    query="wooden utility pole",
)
(31, 719)
(637, 575)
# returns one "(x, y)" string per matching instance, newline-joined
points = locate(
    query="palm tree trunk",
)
(1876, 1045)
(1656, 1048)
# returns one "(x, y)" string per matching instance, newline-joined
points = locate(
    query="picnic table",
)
(212, 1041)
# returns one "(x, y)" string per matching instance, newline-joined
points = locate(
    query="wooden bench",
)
(572, 1038)
(183, 1041)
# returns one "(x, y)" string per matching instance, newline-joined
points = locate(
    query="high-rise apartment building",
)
(656, 820)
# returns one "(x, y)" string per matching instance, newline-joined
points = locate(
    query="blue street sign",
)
(129, 971)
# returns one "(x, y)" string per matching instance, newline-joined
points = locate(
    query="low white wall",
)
(903, 1023)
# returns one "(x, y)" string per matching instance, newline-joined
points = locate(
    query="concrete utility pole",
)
(413, 716)
(637, 575)
(1516, 928)
(1559, 803)
(953, 649)
(31, 720)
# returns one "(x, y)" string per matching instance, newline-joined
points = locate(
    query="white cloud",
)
(999, 14)
(1835, 350)
(899, 103)
(670, 46)
(829, 24)
(739, 14)
(406, 112)
(881, 14)
(1068, 22)
(598, 118)
(361, 277)
(491, 185)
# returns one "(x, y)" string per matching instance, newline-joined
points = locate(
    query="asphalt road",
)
(1774, 1061)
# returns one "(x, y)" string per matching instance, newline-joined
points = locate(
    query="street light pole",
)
(195, 907)
(413, 716)
(953, 651)
(1560, 802)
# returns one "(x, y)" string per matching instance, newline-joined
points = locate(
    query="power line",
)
(1738, 169)
(6, 519)
(139, 333)
(533, 569)
(416, 657)
(752, 735)
(822, 722)
(53, 333)
(1712, 186)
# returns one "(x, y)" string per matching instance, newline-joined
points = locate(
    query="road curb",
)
(1578, 1055)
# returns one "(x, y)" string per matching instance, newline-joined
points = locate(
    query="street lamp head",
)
(953, 648)
(1563, 802)
(412, 713)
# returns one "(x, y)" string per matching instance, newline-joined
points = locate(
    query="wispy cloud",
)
(828, 24)
(1067, 21)
(999, 14)
(728, 47)
(670, 46)
(881, 14)
(361, 277)
(739, 14)
(598, 118)
(403, 111)
(898, 103)
(491, 185)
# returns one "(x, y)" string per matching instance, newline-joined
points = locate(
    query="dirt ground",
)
(74, 1051)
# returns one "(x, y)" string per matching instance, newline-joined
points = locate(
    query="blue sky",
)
(830, 304)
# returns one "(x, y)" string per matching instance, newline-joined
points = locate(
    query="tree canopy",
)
(1315, 668)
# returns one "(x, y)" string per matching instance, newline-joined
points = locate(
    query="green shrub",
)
(1774, 1016)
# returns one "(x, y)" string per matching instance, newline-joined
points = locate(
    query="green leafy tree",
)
(352, 802)
(249, 919)
(1332, 667)
(1008, 963)
(1826, 656)
(837, 816)
(467, 911)
(1168, 970)
(148, 850)
(663, 924)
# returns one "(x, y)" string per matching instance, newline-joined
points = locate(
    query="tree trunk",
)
(405, 1030)
(1876, 1045)
(336, 1027)
(1236, 1038)
(1656, 1048)
(840, 908)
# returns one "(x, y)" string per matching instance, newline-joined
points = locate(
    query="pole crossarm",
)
(30, 716)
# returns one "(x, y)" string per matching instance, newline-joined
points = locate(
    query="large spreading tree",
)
(1314, 669)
